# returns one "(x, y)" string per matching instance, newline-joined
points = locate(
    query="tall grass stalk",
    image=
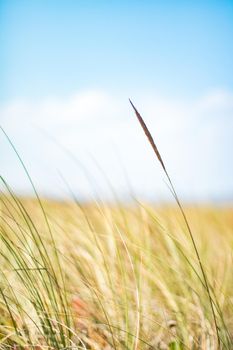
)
(156, 151)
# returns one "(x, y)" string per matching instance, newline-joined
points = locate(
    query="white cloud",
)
(194, 136)
(217, 99)
(55, 111)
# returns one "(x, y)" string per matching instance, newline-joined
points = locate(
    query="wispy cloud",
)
(194, 137)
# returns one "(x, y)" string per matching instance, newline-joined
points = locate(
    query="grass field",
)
(95, 276)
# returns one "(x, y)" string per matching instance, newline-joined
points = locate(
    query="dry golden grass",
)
(128, 276)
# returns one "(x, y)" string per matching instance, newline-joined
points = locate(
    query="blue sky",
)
(68, 67)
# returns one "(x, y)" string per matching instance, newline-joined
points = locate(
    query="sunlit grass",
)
(127, 276)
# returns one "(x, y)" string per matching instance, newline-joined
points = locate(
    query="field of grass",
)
(95, 276)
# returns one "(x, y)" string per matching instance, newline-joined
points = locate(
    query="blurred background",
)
(67, 69)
